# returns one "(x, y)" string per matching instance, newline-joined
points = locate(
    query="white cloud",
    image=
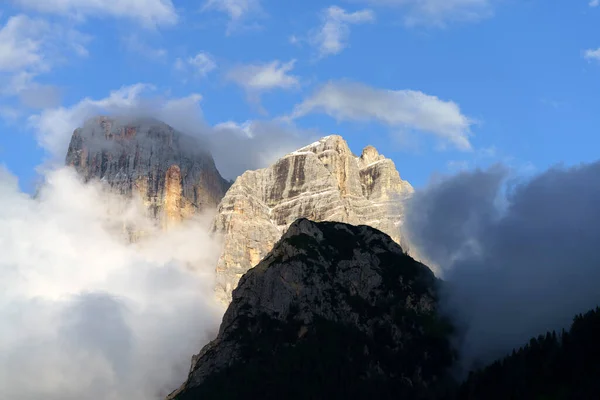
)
(399, 109)
(266, 76)
(236, 10)
(90, 316)
(21, 40)
(263, 141)
(258, 78)
(54, 127)
(258, 144)
(332, 37)
(203, 63)
(148, 12)
(244, 129)
(30, 47)
(592, 54)
(594, 3)
(15, 83)
(136, 45)
(76, 301)
(437, 12)
(200, 65)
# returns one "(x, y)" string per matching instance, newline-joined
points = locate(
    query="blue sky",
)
(436, 85)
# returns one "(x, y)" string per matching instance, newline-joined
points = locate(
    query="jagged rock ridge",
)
(333, 311)
(168, 170)
(323, 181)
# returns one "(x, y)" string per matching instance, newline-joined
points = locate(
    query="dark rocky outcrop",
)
(333, 311)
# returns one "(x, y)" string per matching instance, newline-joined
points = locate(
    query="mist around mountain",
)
(519, 257)
(172, 173)
(515, 259)
(84, 313)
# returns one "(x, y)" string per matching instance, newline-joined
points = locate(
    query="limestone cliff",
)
(323, 181)
(333, 311)
(174, 177)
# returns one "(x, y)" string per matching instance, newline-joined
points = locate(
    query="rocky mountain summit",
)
(333, 311)
(323, 181)
(171, 173)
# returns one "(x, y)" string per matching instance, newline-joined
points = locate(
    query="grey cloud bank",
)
(518, 258)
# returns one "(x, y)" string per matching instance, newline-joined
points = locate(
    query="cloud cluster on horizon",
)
(397, 109)
(30, 47)
(238, 11)
(268, 139)
(84, 313)
(436, 12)
(263, 144)
(40, 52)
(518, 257)
(151, 13)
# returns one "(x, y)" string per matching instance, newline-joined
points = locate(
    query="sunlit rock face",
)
(142, 158)
(323, 181)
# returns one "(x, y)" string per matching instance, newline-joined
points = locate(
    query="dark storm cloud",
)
(518, 259)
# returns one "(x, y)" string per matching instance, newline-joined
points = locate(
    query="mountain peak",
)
(171, 172)
(323, 181)
(117, 132)
(332, 309)
(370, 155)
(331, 142)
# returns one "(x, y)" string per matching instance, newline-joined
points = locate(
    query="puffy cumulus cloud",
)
(264, 76)
(54, 126)
(268, 141)
(32, 46)
(519, 257)
(398, 109)
(437, 12)
(84, 313)
(332, 37)
(148, 12)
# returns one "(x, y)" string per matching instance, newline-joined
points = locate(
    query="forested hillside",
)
(555, 366)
